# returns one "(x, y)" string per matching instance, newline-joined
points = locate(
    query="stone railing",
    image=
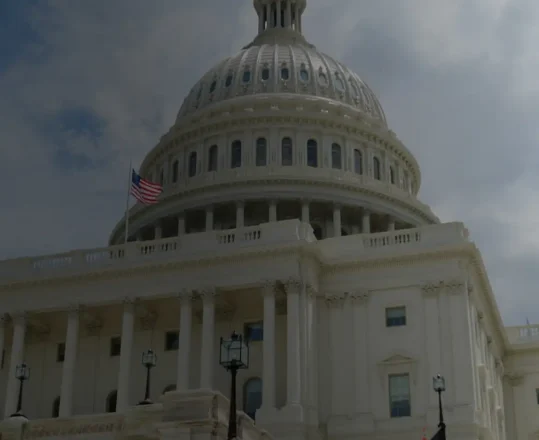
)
(525, 334)
(215, 243)
(189, 246)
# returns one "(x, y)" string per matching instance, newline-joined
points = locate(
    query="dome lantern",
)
(279, 14)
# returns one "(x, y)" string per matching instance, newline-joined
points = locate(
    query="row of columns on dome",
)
(279, 14)
(327, 221)
(271, 291)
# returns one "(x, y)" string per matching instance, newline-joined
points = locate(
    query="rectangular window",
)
(395, 316)
(60, 352)
(254, 331)
(399, 395)
(115, 346)
(172, 340)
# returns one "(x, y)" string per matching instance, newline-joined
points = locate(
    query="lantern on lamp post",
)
(234, 355)
(22, 373)
(149, 360)
(438, 383)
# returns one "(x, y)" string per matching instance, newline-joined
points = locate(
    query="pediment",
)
(397, 359)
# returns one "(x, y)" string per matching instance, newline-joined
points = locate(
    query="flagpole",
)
(127, 201)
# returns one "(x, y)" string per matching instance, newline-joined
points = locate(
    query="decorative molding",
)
(147, 319)
(207, 294)
(432, 288)
(292, 285)
(336, 299)
(515, 379)
(268, 288)
(361, 296)
(186, 296)
(437, 287)
(71, 429)
(454, 287)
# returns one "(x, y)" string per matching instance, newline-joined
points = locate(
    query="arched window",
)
(286, 151)
(212, 86)
(392, 175)
(192, 164)
(336, 156)
(312, 153)
(377, 171)
(175, 171)
(358, 162)
(212, 158)
(162, 177)
(168, 388)
(285, 73)
(252, 396)
(235, 156)
(56, 408)
(111, 402)
(317, 231)
(261, 152)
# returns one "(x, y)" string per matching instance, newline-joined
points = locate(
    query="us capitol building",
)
(289, 213)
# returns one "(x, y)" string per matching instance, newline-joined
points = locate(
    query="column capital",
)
(208, 294)
(268, 287)
(360, 296)
(129, 301)
(185, 296)
(337, 206)
(292, 285)
(19, 317)
(73, 309)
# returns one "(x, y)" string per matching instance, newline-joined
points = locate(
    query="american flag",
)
(143, 190)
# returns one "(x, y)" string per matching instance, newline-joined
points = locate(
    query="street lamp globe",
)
(149, 359)
(438, 383)
(234, 353)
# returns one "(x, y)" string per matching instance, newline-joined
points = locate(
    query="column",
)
(272, 211)
(336, 221)
(209, 218)
(124, 375)
(181, 224)
(305, 214)
(288, 15)
(298, 19)
(184, 345)
(261, 21)
(139, 235)
(279, 23)
(17, 357)
(70, 361)
(391, 224)
(268, 354)
(240, 215)
(361, 350)
(158, 231)
(208, 336)
(293, 384)
(366, 222)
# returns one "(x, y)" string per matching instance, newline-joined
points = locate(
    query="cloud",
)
(94, 85)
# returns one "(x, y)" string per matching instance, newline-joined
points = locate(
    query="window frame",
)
(287, 147)
(252, 380)
(192, 164)
(376, 168)
(169, 334)
(235, 146)
(213, 158)
(358, 154)
(336, 149)
(312, 144)
(261, 144)
(247, 331)
(396, 322)
(60, 352)
(113, 342)
(391, 397)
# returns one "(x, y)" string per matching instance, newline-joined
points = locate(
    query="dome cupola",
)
(279, 14)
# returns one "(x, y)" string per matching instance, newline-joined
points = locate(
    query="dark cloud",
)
(458, 81)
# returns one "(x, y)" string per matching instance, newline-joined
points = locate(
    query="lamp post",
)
(438, 384)
(234, 355)
(22, 373)
(149, 360)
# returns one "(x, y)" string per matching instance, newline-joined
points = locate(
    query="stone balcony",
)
(525, 334)
(213, 244)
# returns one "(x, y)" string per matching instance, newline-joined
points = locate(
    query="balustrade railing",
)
(213, 242)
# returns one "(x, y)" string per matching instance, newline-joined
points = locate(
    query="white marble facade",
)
(289, 214)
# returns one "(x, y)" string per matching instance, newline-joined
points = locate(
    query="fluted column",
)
(361, 350)
(184, 344)
(208, 339)
(70, 361)
(261, 22)
(272, 211)
(126, 351)
(268, 354)
(279, 22)
(209, 218)
(17, 357)
(337, 221)
(305, 213)
(288, 15)
(293, 365)
(240, 214)
(366, 222)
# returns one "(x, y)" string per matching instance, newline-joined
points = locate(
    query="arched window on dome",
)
(235, 155)
(56, 408)
(312, 153)
(265, 74)
(175, 167)
(358, 162)
(261, 158)
(252, 396)
(212, 158)
(304, 74)
(192, 164)
(392, 175)
(213, 86)
(110, 404)
(285, 73)
(377, 169)
(286, 152)
(246, 76)
(339, 83)
(336, 156)
(228, 81)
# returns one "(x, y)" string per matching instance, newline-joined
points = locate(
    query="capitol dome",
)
(279, 131)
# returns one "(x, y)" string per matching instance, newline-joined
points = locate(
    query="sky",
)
(85, 87)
